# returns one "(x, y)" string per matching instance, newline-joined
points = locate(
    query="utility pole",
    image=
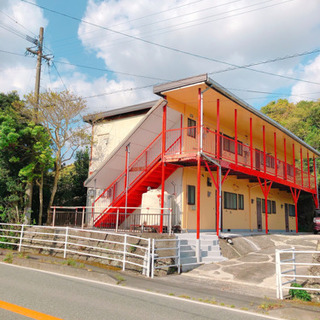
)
(38, 51)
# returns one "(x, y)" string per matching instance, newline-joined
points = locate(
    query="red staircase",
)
(145, 171)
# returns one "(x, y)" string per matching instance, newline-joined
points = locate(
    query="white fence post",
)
(179, 256)
(82, 221)
(117, 221)
(21, 237)
(148, 258)
(124, 252)
(66, 243)
(294, 264)
(278, 274)
(152, 257)
(54, 216)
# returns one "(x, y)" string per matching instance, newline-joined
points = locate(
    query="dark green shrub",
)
(299, 294)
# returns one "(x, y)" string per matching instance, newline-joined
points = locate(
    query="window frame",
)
(191, 195)
(192, 130)
(230, 200)
(240, 202)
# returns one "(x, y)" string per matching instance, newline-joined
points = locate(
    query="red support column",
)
(218, 203)
(236, 136)
(251, 146)
(295, 195)
(294, 164)
(181, 126)
(308, 169)
(264, 150)
(275, 154)
(218, 129)
(315, 173)
(126, 170)
(198, 194)
(301, 165)
(265, 189)
(163, 169)
(316, 197)
(285, 159)
(198, 164)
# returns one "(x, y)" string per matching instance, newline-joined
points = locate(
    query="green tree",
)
(71, 191)
(59, 114)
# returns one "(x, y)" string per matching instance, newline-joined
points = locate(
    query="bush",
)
(299, 294)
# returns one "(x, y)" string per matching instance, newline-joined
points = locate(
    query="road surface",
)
(41, 295)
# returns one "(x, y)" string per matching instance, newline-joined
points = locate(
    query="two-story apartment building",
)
(228, 166)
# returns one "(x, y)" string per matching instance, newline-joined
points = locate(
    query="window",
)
(270, 161)
(271, 206)
(292, 211)
(240, 148)
(191, 195)
(209, 182)
(274, 207)
(240, 202)
(191, 132)
(290, 170)
(230, 200)
(229, 143)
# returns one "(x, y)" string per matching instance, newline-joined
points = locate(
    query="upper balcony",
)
(293, 171)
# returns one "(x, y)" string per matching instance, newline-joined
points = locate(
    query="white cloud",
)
(304, 90)
(274, 31)
(18, 72)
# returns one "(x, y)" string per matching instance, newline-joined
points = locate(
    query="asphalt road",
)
(72, 298)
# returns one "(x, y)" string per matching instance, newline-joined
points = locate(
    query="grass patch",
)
(119, 278)
(72, 263)
(8, 258)
(184, 296)
(266, 306)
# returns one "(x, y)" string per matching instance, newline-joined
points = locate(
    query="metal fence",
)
(297, 264)
(128, 251)
(165, 253)
(132, 219)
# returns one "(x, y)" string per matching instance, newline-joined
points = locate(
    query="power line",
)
(146, 16)
(193, 25)
(53, 64)
(17, 22)
(112, 71)
(150, 42)
(295, 55)
(219, 19)
(213, 72)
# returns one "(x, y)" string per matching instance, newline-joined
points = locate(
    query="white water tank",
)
(151, 208)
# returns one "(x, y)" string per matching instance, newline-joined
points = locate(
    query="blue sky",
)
(238, 32)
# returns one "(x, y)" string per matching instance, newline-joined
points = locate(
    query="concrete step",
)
(211, 254)
(212, 260)
(189, 253)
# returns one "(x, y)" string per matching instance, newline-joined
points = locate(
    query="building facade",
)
(227, 166)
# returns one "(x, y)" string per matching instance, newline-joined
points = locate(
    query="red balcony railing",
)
(185, 141)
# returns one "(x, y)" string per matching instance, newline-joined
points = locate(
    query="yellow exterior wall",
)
(232, 219)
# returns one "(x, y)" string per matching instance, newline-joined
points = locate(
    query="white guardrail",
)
(296, 268)
(157, 255)
(67, 240)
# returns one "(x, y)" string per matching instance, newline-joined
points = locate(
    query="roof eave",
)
(203, 78)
